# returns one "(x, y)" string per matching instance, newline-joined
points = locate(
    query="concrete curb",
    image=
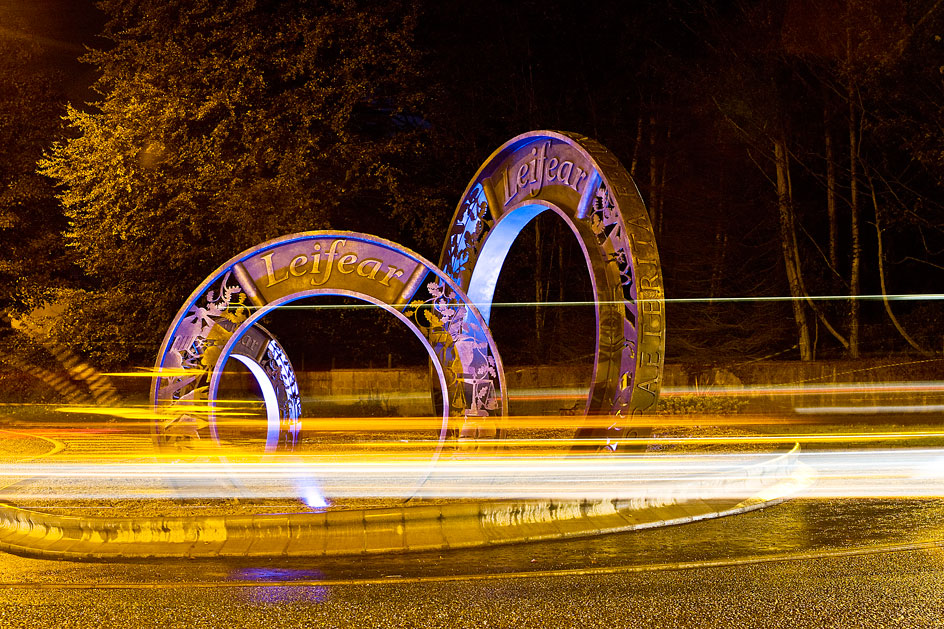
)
(392, 530)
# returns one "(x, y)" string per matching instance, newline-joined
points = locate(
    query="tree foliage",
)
(843, 91)
(225, 123)
(32, 257)
(762, 135)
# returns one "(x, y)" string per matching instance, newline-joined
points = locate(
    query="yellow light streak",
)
(238, 408)
(145, 372)
(165, 372)
(392, 451)
(678, 300)
(125, 412)
(855, 473)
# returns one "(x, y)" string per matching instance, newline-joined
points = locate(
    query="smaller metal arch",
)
(232, 345)
(215, 319)
(259, 351)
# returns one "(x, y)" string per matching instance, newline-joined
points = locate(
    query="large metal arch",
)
(501, 238)
(584, 184)
(214, 320)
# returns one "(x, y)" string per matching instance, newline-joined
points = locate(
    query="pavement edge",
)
(393, 530)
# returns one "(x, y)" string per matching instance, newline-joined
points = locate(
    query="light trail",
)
(251, 414)
(880, 473)
(931, 401)
(576, 393)
(150, 372)
(668, 300)
(837, 388)
(870, 410)
(147, 413)
(250, 447)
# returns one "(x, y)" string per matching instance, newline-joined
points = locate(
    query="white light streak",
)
(677, 300)
(851, 388)
(836, 474)
(869, 410)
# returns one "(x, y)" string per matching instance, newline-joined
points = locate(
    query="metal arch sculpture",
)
(214, 322)
(269, 364)
(583, 183)
(568, 174)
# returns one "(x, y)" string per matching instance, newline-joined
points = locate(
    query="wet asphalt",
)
(774, 568)
(903, 590)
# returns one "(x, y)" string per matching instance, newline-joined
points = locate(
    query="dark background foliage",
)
(216, 125)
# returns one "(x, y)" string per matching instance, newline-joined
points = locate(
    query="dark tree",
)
(32, 257)
(223, 124)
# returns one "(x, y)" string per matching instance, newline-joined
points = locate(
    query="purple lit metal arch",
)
(214, 322)
(272, 369)
(582, 182)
